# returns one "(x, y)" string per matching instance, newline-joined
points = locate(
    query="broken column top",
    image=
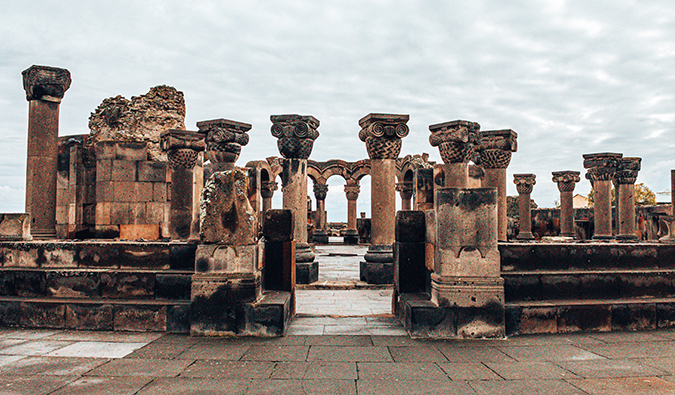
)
(45, 83)
(455, 140)
(239, 127)
(224, 139)
(627, 170)
(601, 166)
(313, 122)
(384, 118)
(454, 125)
(182, 139)
(503, 139)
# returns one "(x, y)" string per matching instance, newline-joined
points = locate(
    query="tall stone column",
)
(183, 149)
(224, 139)
(670, 219)
(45, 87)
(566, 180)
(524, 185)
(383, 134)
(351, 234)
(601, 168)
(296, 134)
(405, 188)
(625, 178)
(320, 233)
(496, 147)
(267, 189)
(456, 142)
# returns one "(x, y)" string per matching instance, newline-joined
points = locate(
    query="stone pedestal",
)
(524, 185)
(183, 151)
(566, 180)
(405, 189)
(383, 134)
(296, 135)
(601, 168)
(496, 147)
(625, 178)
(320, 233)
(351, 234)
(45, 87)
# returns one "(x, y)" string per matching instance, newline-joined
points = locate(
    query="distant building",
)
(580, 201)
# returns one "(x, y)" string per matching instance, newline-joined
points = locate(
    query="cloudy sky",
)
(570, 77)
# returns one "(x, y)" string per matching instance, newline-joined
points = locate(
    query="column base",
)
(525, 236)
(570, 234)
(351, 236)
(320, 236)
(378, 267)
(602, 237)
(306, 272)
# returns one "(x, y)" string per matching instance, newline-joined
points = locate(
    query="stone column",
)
(524, 185)
(383, 134)
(320, 233)
(424, 189)
(267, 191)
(566, 180)
(296, 134)
(496, 147)
(455, 141)
(625, 178)
(45, 87)
(601, 168)
(670, 219)
(224, 139)
(183, 151)
(352, 189)
(405, 188)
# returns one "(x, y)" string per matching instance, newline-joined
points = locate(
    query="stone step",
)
(96, 284)
(600, 315)
(343, 285)
(95, 314)
(589, 284)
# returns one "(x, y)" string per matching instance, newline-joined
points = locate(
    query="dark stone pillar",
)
(496, 147)
(320, 233)
(625, 178)
(524, 185)
(383, 134)
(423, 181)
(45, 87)
(183, 151)
(566, 180)
(279, 270)
(351, 234)
(670, 219)
(601, 168)
(296, 134)
(405, 188)
(267, 189)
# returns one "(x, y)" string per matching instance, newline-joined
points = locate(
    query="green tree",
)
(643, 196)
(512, 209)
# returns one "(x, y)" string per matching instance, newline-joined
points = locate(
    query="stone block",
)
(10, 313)
(410, 226)
(151, 171)
(98, 255)
(559, 286)
(131, 151)
(538, 320)
(173, 286)
(182, 256)
(18, 255)
(512, 315)
(62, 214)
(105, 150)
(481, 322)
(7, 283)
(159, 192)
(280, 266)
(42, 315)
(598, 286)
(139, 232)
(105, 191)
(376, 272)
(271, 316)
(651, 284)
(306, 272)
(138, 213)
(589, 318)
(144, 191)
(30, 283)
(665, 315)
(139, 318)
(89, 317)
(519, 287)
(72, 284)
(53, 255)
(124, 191)
(424, 319)
(107, 231)
(227, 258)
(89, 214)
(155, 212)
(127, 285)
(103, 213)
(144, 256)
(123, 171)
(104, 170)
(120, 213)
(410, 272)
(178, 318)
(633, 317)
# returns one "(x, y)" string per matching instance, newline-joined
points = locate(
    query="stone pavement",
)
(63, 362)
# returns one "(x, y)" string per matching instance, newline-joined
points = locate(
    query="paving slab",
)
(233, 370)
(610, 368)
(474, 353)
(104, 386)
(554, 352)
(214, 350)
(409, 387)
(35, 347)
(182, 385)
(468, 371)
(276, 353)
(349, 354)
(53, 366)
(284, 387)
(141, 368)
(122, 337)
(632, 350)
(626, 385)
(315, 370)
(517, 370)
(339, 340)
(27, 334)
(529, 387)
(403, 371)
(33, 385)
(417, 354)
(161, 350)
(96, 350)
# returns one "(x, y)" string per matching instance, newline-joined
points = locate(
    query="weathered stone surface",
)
(280, 266)
(306, 272)
(178, 319)
(182, 256)
(15, 227)
(10, 313)
(89, 317)
(539, 320)
(410, 272)
(30, 283)
(382, 134)
(227, 258)
(596, 318)
(226, 216)
(72, 284)
(143, 118)
(42, 315)
(278, 225)
(173, 286)
(41, 81)
(127, 285)
(224, 139)
(140, 318)
(455, 140)
(631, 317)
(296, 134)
(410, 227)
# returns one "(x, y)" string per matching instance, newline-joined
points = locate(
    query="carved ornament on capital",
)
(455, 140)
(627, 170)
(566, 180)
(267, 189)
(182, 147)
(45, 83)
(352, 191)
(601, 166)
(224, 139)
(524, 183)
(405, 188)
(320, 191)
(496, 147)
(295, 134)
(382, 134)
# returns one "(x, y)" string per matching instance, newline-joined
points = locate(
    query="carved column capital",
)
(182, 147)
(352, 191)
(320, 191)
(496, 147)
(455, 140)
(224, 139)
(627, 170)
(45, 83)
(601, 166)
(382, 134)
(405, 188)
(524, 182)
(267, 189)
(296, 134)
(566, 180)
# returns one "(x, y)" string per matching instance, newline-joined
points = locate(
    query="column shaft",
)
(525, 221)
(180, 216)
(566, 214)
(496, 178)
(295, 195)
(383, 201)
(351, 214)
(626, 204)
(602, 209)
(456, 174)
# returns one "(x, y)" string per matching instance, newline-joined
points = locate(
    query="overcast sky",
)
(570, 77)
